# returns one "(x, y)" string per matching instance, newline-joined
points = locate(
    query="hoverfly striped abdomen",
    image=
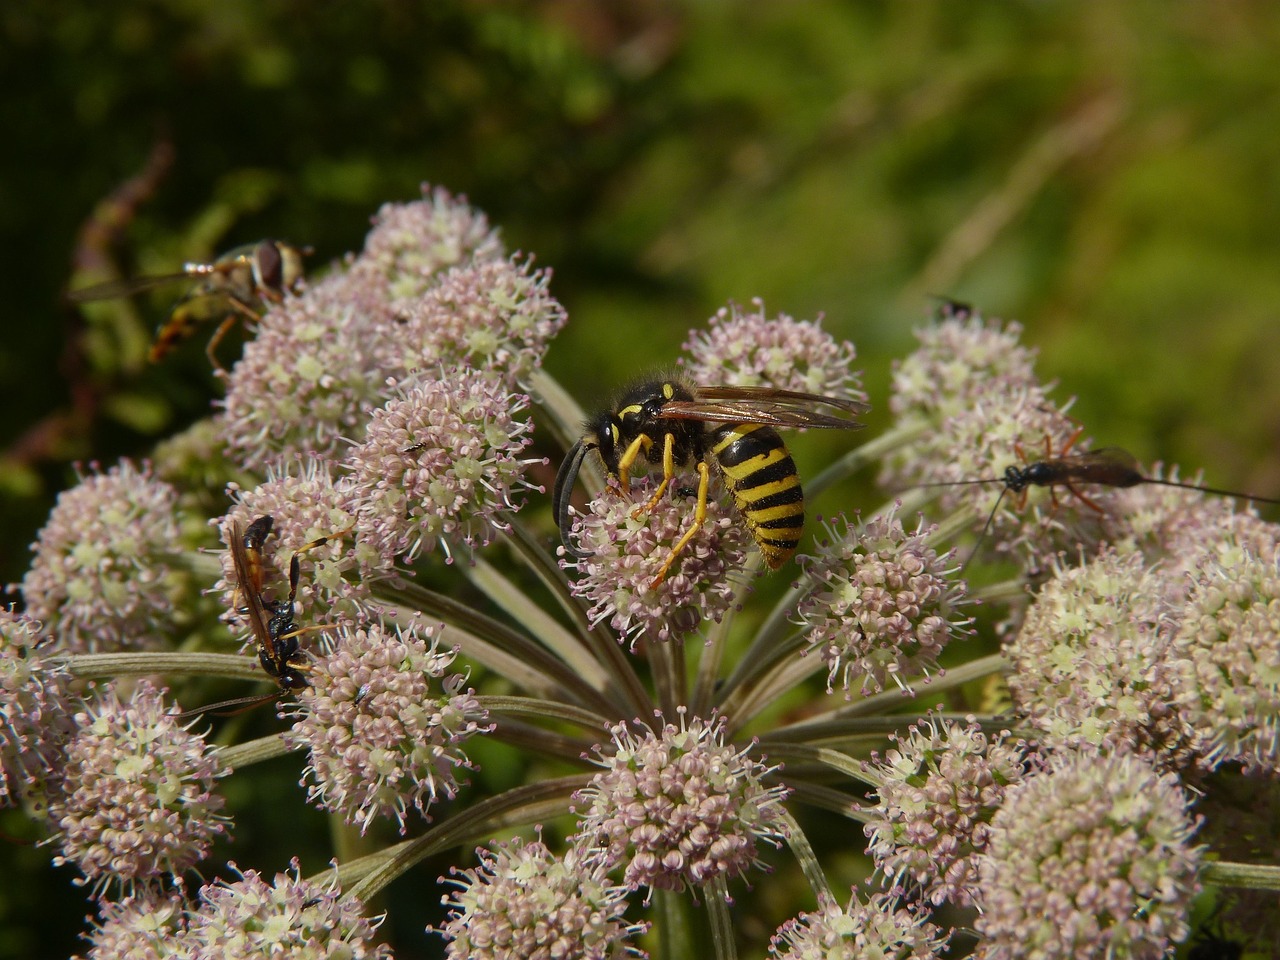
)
(765, 485)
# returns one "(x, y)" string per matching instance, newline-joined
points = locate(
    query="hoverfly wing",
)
(117, 289)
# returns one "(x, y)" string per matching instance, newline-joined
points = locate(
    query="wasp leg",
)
(699, 518)
(668, 474)
(640, 444)
(295, 565)
(1083, 499)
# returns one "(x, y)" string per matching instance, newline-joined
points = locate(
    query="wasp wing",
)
(252, 598)
(769, 406)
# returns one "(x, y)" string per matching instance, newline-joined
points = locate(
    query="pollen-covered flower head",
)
(384, 723)
(151, 926)
(487, 314)
(749, 349)
(971, 398)
(523, 901)
(102, 578)
(306, 505)
(250, 918)
(619, 550)
(310, 377)
(137, 801)
(937, 791)
(440, 464)
(1094, 661)
(956, 359)
(883, 605)
(881, 927)
(1090, 858)
(1229, 645)
(677, 807)
(412, 243)
(35, 712)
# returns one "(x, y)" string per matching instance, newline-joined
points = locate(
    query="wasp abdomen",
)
(759, 472)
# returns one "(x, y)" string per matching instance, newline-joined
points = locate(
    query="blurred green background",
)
(1109, 174)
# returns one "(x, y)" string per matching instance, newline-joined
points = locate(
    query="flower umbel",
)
(1090, 858)
(937, 792)
(440, 465)
(750, 349)
(523, 901)
(384, 722)
(884, 603)
(102, 579)
(290, 917)
(881, 927)
(138, 800)
(622, 553)
(678, 807)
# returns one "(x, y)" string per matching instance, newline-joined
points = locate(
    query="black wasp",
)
(271, 622)
(233, 286)
(1107, 467)
(674, 423)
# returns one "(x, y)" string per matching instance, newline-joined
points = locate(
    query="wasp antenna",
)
(954, 483)
(566, 480)
(1214, 490)
(219, 709)
(985, 528)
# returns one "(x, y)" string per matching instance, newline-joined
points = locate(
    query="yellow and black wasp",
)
(673, 423)
(234, 286)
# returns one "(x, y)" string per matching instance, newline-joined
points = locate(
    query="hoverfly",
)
(674, 423)
(234, 286)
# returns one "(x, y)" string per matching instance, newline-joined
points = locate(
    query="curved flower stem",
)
(741, 686)
(564, 418)
(520, 806)
(806, 858)
(828, 726)
(605, 646)
(520, 607)
(712, 654)
(98, 666)
(825, 798)
(255, 751)
(1246, 876)
(495, 644)
(861, 456)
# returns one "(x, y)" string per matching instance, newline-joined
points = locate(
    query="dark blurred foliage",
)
(1108, 174)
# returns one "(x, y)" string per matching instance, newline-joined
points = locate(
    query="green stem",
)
(867, 453)
(1246, 876)
(722, 940)
(255, 751)
(521, 806)
(802, 850)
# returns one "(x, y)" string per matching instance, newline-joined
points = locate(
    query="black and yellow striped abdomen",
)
(759, 472)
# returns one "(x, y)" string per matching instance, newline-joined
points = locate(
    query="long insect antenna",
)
(955, 483)
(219, 709)
(562, 494)
(1216, 491)
(985, 527)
